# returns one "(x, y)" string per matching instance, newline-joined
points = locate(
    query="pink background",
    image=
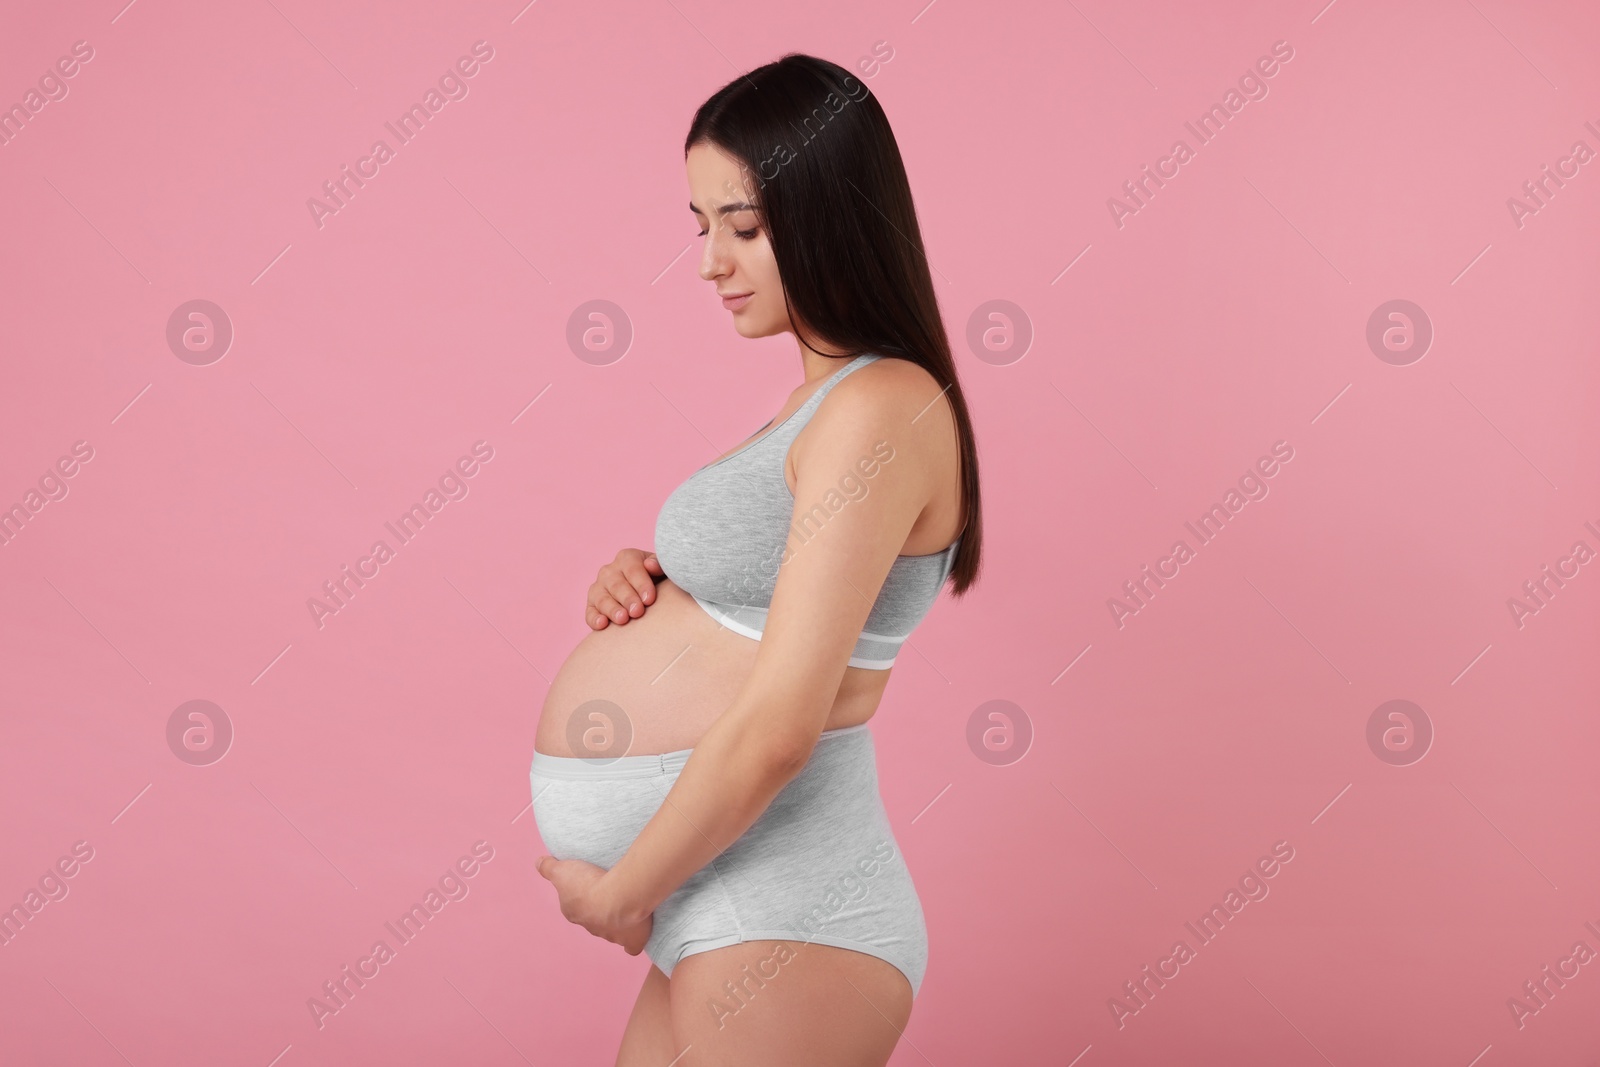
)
(370, 353)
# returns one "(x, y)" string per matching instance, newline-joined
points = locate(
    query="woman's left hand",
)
(576, 884)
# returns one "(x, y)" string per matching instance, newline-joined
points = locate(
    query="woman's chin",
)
(749, 327)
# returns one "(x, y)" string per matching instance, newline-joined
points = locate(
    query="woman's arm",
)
(731, 777)
(734, 772)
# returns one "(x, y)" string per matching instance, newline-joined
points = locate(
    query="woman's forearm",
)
(730, 778)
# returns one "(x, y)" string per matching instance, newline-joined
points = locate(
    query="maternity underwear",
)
(820, 865)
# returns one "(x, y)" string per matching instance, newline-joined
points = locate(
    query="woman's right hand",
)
(623, 588)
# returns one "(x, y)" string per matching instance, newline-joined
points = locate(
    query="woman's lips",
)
(734, 303)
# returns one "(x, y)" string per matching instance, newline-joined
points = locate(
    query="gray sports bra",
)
(721, 535)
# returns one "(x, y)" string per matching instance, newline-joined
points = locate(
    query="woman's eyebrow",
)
(725, 209)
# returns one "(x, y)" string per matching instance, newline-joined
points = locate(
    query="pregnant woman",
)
(703, 774)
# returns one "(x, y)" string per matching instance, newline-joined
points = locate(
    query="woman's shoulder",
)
(889, 401)
(890, 377)
(890, 392)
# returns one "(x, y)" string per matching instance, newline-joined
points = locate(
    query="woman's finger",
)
(607, 605)
(600, 601)
(623, 592)
(639, 577)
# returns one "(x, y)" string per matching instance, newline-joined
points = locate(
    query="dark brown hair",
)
(837, 210)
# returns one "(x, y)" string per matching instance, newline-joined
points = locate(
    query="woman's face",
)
(736, 257)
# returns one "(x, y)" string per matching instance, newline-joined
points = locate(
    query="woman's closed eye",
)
(747, 235)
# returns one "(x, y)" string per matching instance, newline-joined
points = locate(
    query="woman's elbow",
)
(787, 754)
(773, 754)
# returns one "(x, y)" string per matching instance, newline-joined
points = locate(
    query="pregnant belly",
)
(657, 683)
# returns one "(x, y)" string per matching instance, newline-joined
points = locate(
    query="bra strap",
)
(815, 399)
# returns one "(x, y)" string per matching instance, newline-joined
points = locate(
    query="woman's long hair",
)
(831, 192)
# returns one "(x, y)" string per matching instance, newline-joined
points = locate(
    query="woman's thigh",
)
(647, 1041)
(782, 1003)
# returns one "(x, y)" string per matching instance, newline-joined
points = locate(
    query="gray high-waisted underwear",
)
(821, 864)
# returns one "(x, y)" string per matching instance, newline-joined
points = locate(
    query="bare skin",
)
(673, 669)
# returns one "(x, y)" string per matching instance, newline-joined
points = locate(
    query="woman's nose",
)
(713, 262)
